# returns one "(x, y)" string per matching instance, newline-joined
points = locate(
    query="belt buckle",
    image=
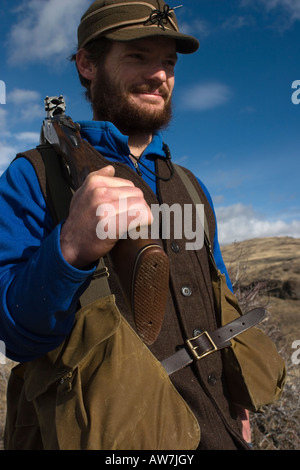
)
(193, 349)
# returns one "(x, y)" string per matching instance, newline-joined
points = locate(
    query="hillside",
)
(273, 259)
(274, 263)
(266, 271)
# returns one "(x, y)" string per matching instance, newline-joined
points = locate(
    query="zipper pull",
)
(136, 166)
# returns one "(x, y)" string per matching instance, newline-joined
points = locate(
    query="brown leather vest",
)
(190, 307)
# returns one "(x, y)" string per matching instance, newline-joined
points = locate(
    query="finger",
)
(106, 171)
(117, 218)
(110, 193)
(106, 177)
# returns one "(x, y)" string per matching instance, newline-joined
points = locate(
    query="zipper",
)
(136, 166)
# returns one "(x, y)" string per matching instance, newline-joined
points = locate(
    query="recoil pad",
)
(143, 274)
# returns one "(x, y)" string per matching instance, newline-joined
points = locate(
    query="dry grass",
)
(277, 428)
(4, 375)
(261, 270)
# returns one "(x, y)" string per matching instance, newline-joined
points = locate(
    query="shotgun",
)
(141, 264)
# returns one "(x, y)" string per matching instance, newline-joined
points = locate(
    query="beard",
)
(110, 104)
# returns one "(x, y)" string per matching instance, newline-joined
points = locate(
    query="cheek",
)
(122, 81)
(171, 83)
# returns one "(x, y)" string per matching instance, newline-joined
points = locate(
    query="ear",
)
(85, 67)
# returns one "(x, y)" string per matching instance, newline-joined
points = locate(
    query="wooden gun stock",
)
(141, 265)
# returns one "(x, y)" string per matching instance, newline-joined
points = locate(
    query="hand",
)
(245, 419)
(101, 198)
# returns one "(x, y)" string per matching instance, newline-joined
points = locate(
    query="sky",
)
(236, 121)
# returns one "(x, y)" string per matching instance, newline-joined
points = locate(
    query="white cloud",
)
(292, 7)
(11, 144)
(29, 103)
(205, 96)
(239, 222)
(22, 106)
(288, 10)
(7, 154)
(195, 27)
(19, 96)
(237, 22)
(28, 137)
(45, 31)
(32, 111)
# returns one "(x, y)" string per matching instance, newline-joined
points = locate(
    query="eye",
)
(171, 62)
(136, 56)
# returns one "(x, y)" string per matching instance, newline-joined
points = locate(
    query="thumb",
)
(107, 171)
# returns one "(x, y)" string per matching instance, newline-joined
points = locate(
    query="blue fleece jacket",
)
(39, 290)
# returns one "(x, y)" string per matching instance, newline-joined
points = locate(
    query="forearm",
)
(38, 289)
(39, 300)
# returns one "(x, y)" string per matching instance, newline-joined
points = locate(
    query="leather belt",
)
(206, 343)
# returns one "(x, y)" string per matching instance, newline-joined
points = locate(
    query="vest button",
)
(197, 332)
(212, 379)
(186, 291)
(175, 247)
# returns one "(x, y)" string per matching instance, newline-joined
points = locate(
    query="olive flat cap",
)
(124, 21)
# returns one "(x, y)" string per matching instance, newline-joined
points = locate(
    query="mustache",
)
(148, 88)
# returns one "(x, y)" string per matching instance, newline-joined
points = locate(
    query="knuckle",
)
(137, 193)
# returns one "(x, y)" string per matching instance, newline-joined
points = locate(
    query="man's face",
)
(133, 89)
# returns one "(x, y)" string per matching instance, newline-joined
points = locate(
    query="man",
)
(126, 59)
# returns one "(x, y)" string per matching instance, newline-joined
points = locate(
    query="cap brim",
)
(184, 44)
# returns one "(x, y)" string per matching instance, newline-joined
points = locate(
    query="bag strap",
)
(58, 195)
(208, 342)
(194, 195)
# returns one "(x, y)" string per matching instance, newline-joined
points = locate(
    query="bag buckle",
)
(193, 348)
(101, 272)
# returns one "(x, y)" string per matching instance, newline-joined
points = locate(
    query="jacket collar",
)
(109, 141)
